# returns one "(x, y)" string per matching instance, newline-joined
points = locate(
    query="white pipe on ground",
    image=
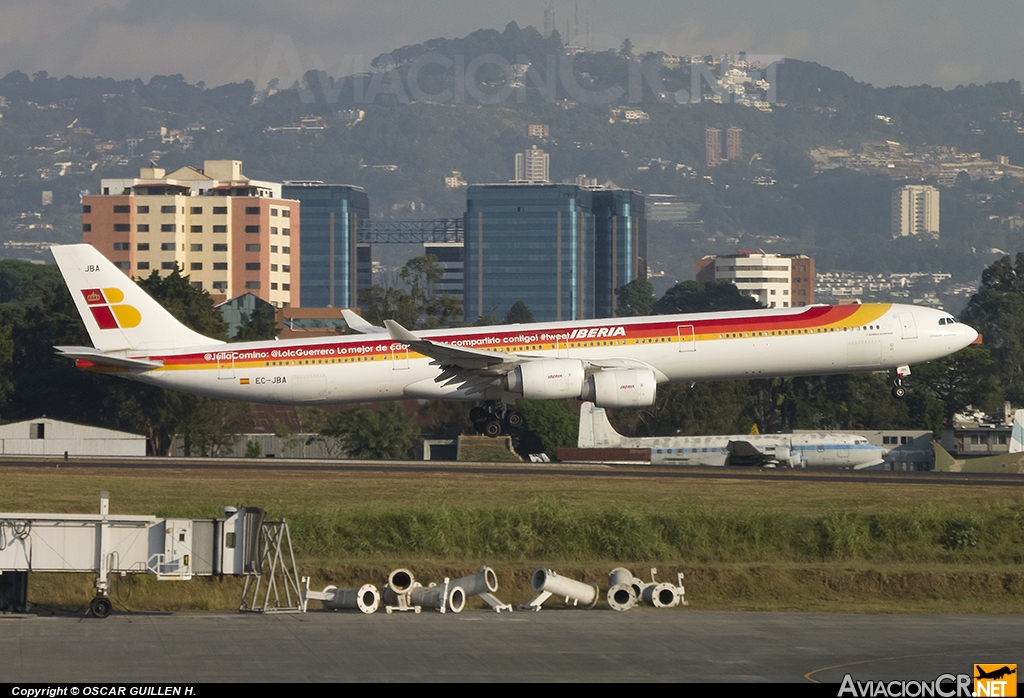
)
(578, 592)
(366, 599)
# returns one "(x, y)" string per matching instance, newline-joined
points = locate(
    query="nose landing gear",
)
(898, 390)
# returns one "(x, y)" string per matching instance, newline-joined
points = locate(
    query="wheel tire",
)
(492, 428)
(478, 415)
(100, 607)
(899, 392)
(514, 419)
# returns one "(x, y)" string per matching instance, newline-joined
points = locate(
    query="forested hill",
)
(401, 124)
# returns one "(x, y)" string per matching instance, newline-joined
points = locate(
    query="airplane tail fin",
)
(595, 429)
(118, 314)
(1017, 434)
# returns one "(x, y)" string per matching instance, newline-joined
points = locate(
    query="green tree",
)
(997, 312)
(380, 303)
(193, 307)
(519, 313)
(443, 310)
(386, 434)
(418, 307)
(322, 427)
(703, 296)
(717, 407)
(6, 358)
(635, 298)
(967, 377)
(547, 426)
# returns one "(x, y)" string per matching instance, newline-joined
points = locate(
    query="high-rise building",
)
(331, 214)
(915, 211)
(734, 143)
(452, 258)
(713, 147)
(620, 244)
(229, 234)
(559, 248)
(529, 243)
(532, 166)
(774, 280)
(549, 19)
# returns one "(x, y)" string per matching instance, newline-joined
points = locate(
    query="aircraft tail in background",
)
(595, 429)
(1017, 435)
(118, 314)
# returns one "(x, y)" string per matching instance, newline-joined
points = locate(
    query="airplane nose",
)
(970, 335)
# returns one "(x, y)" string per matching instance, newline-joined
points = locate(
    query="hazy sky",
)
(905, 42)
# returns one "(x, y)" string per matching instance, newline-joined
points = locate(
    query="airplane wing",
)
(98, 358)
(475, 370)
(358, 324)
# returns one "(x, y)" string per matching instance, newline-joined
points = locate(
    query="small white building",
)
(52, 437)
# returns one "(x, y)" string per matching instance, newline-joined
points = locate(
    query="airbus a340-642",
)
(616, 362)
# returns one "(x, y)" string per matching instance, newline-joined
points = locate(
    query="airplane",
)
(614, 362)
(804, 450)
(995, 673)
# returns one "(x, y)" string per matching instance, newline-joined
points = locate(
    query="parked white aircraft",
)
(614, 362)
(807, 450)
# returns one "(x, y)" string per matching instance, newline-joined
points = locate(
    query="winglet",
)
(358, 324)
(400, 334)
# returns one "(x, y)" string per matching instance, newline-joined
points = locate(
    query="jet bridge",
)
(106, 544)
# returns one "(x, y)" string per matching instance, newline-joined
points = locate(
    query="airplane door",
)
(908, 325)
(399, 357)
(225, 366)
(687, 342)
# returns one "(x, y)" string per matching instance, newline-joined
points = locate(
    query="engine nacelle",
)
(547, 380)
(622, 388)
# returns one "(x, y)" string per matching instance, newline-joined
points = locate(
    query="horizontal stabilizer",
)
(98, 358)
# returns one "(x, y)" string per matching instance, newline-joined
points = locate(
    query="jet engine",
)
(566, 378)
(546, 380)
(621, 388)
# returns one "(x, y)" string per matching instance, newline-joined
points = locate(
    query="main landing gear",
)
(494, 418)
(898, 390)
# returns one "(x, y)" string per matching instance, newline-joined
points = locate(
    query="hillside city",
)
(777, 156)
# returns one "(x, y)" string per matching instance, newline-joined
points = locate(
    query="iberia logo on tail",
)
(107, 310)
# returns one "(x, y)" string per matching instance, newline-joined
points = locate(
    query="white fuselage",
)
(813, 450)
(814, 340)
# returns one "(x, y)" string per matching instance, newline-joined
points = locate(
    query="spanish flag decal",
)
(243, 381)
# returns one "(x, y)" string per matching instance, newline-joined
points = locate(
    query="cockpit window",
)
(946, 320)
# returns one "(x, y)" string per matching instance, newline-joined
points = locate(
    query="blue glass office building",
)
(330, 253)
(620, 249)
(532, 243)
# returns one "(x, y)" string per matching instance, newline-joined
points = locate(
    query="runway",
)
(554, 645)
(153, 464)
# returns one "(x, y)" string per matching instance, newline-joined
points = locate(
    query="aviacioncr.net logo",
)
(108, 311)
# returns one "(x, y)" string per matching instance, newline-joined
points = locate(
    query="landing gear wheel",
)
(478, 415)
(514, 419)
(492, 428)
(100, 607)
(899, 392)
